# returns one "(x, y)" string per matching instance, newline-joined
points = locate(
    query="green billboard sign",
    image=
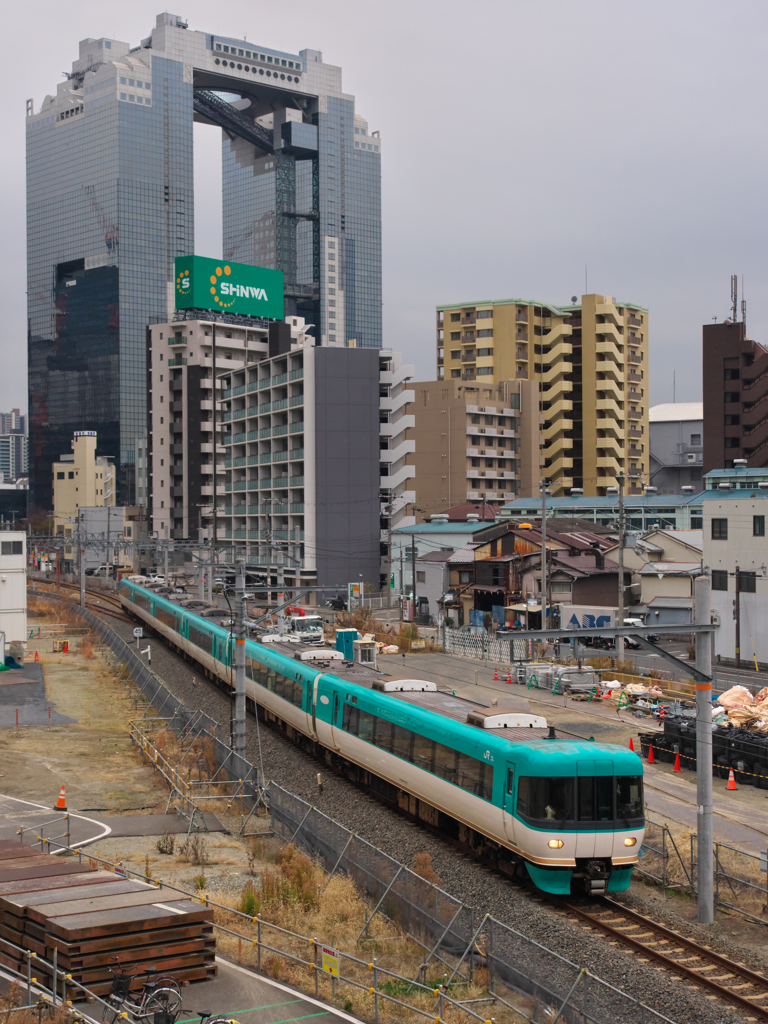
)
(202, 283)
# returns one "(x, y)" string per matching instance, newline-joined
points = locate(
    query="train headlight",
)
(555, 844)
(631, 841)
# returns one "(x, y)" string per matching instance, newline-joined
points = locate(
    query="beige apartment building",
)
(590, 364)
(474, 441)
(81, 479)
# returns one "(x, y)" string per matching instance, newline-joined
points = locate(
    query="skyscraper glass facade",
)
(110, 204)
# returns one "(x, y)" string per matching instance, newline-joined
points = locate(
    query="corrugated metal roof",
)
(742, 494)
(442, 527)
(530, 506)
(671, 412)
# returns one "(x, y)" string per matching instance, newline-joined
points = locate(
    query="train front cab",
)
(582, 831)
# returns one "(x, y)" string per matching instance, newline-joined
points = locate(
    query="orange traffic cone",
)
(496, 675)
(651, 758)
(509, 677)
(61, 803)
(631, 744)
(677, 763)
(731, 780)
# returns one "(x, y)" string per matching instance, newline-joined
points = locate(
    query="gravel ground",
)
(470, 882)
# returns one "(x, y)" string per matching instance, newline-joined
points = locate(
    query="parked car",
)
(103, 570)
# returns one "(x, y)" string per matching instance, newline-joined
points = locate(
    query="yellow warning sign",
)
(330, 961)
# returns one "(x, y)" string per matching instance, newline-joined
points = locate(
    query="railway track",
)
(703, 968)
(710, 973)
(107, 603)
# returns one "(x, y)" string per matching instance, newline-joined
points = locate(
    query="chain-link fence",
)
(503, 650)
(521, 975)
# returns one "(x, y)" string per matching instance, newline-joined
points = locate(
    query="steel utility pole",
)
(544, 553)
(200, 570)
(413, 570)
(165, 554)
(620, 639)
(703, 662)
(280, 593)
(82, 577)
(240, 661)
(737, 616)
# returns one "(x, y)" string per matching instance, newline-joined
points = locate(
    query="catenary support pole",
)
(544, 553)
(413, 573)
(240, 661)
(200, 572)
(280, 592)
(620, 639)
(82, 578)
(737, 616)
(703, 662)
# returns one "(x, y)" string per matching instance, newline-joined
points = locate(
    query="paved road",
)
(22, 814)
(22, 693)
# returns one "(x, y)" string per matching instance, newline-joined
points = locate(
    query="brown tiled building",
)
(735, 391)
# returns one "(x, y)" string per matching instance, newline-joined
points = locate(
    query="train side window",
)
(367, 727)
(402, 743)
(604, 797)
(445, 762)
(510, 781)
(383, 735)
(351, 719)
(424, 752)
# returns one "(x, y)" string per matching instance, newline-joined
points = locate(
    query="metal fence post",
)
(375, 992)
(258, 940)
(55, 982)
(491, 975)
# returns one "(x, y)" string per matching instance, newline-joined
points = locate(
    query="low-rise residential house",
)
(432, 583)
(666, 592)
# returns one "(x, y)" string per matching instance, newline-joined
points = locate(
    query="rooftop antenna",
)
(734, 296)
(743, 307)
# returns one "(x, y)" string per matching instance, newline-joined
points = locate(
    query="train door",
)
(585, 783)
(335, 720)
(594, 808)
(508, 799)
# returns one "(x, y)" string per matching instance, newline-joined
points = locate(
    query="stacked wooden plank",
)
(90, 916)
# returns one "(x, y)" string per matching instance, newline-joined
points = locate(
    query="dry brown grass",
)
(17, 996)
(293, 896)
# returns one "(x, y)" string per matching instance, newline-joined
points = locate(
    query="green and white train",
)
(568, 812)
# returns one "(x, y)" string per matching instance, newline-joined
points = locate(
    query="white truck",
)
(308, 628)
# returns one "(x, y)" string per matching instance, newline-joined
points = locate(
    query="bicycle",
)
(160, 998)
(211, 1019)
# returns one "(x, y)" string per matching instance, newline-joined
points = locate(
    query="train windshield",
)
(586, 802)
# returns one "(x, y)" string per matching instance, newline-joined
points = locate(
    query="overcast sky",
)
(521, 141)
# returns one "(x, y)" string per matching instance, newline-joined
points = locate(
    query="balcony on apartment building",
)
(634, 321)
(468, 318)
(468, 375)
(468, 357)
(521, 335)
(635, 357)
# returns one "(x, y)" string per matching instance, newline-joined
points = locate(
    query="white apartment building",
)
(175, 465)
(317, 450)
(13, 591)
(736, 554)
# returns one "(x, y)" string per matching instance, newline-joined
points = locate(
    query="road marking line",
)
(340, 1014)
(269, 1006)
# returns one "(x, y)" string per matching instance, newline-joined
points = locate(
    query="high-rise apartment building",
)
(110, 205)
(735, 386)
(591, 364)
(81, 478)
(475, 443)
(317, 450)
(14, 446)
(175, 467)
